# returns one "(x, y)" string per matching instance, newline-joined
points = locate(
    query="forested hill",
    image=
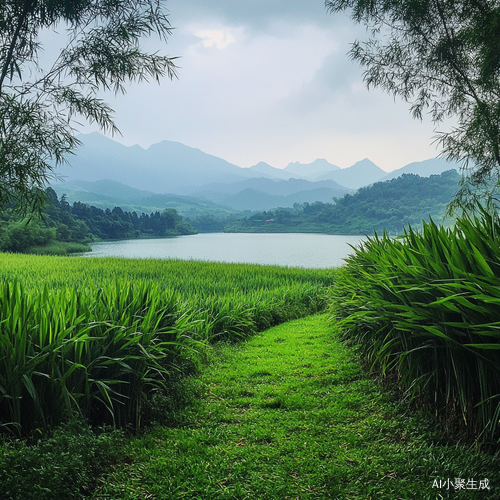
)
(63, 228)
(389, 205)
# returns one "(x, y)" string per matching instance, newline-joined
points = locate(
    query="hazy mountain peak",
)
(165, 167)
(366, 165)
(97, 140)
(362, 173)
(323, 164)
(262, 166)
(275, 173)
(310, 170)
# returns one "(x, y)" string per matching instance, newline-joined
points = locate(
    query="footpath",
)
(290, 414)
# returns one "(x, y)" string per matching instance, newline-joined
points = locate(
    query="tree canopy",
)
(66, 228)
(389, 205)
(39, 105)
(443, 57)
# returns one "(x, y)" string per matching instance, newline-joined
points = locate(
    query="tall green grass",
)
(98, 351)
(99, 336)
(426, 308)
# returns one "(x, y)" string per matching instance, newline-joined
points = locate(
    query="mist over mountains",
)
(166, 167)
(143, 177)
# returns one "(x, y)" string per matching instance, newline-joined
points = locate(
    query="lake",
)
(284, 249)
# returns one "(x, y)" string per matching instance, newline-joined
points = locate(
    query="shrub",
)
(425, 308)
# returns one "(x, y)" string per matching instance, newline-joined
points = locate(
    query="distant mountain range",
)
(252, 199)
(296, 170)
(270, 186)
(166, 167)
(263, 193)
(106, 173)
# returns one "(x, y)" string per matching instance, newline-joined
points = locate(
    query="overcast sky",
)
(269, 80)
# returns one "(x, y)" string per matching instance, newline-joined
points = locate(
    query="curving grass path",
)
(291, 415)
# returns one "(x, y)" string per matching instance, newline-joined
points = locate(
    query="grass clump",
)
(59, 248)
(424, 308)
(99, 352)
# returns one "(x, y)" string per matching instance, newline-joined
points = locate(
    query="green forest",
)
(63, 228)
(391, 205)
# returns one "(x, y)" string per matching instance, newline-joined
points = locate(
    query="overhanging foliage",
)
(443, 57)
(39, 105)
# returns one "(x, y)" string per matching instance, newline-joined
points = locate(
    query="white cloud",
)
(255, 85)
(219, 38)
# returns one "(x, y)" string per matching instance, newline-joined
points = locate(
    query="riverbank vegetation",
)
(389, 205)
(64, 228)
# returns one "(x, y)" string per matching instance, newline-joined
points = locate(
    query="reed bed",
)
(100, 336)
(425, 308)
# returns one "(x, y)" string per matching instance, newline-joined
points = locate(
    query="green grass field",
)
(286, 414)
(291, 415)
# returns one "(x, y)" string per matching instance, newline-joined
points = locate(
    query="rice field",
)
(100, 336)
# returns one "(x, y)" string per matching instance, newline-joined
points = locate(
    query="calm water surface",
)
(288, 249)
